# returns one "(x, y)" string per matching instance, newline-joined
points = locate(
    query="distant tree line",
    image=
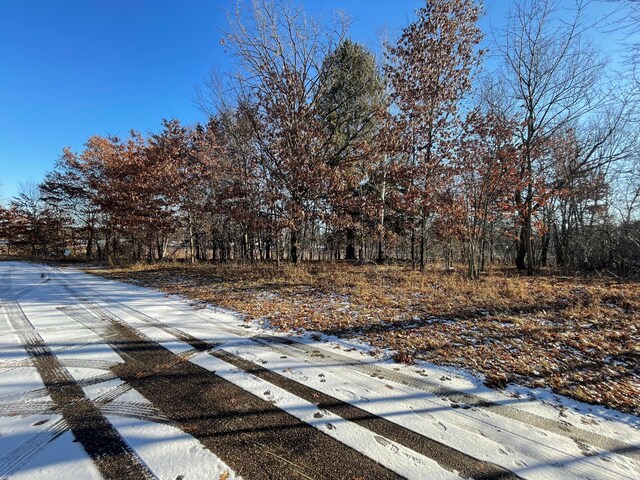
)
(317, 150)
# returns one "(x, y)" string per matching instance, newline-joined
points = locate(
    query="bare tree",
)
(551, 75)
(626, 18)
(280, 53)
(486, 171)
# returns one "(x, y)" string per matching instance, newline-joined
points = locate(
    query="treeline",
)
(316, 150)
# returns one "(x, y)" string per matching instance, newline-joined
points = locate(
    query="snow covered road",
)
(105, 379)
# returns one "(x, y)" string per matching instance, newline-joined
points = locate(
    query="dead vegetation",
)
(577, 336)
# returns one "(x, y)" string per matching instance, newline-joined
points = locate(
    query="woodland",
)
(451, 147)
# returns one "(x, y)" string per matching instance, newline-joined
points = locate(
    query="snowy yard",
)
(104, 379)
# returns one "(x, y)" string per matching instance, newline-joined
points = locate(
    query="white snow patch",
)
(62, 459)
(169, 452)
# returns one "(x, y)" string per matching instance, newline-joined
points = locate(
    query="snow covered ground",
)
(462, 428)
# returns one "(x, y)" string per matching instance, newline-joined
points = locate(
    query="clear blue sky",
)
(70, 69)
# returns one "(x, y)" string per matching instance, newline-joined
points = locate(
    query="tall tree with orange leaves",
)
(430, 72)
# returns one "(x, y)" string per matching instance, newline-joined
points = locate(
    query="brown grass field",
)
(578, 336)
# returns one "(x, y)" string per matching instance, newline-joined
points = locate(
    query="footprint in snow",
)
(297, 374)
(270, 398)
(350, 395)
(245, 354)
(386, 443)
(431, 418)
(347, 393)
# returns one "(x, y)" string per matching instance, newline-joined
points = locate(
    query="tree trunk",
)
(192, 246)
(159, 249)
(528, 239)
(350, 253)
(267, 246)
(413, 247)
(90, 243)
(245, 244)
(472, 261)
(423, 234)
(277, 250)
(381, 226)
(293, 250)
(521, 252)
(99, 250)
(544, 250)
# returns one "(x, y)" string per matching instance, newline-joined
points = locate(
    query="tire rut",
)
(302, 351)
(110, 453)
(447, 457)
(234, 424)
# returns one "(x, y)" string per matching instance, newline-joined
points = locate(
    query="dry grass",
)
(578, 336)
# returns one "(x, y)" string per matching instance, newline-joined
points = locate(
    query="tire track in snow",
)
(249, 433)
(30, 395)
(16, 458)
(386, 432)
(137, 410)
(21, 407)
(43, 392)
(24, 290)
(110, 453)
(303, 351)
